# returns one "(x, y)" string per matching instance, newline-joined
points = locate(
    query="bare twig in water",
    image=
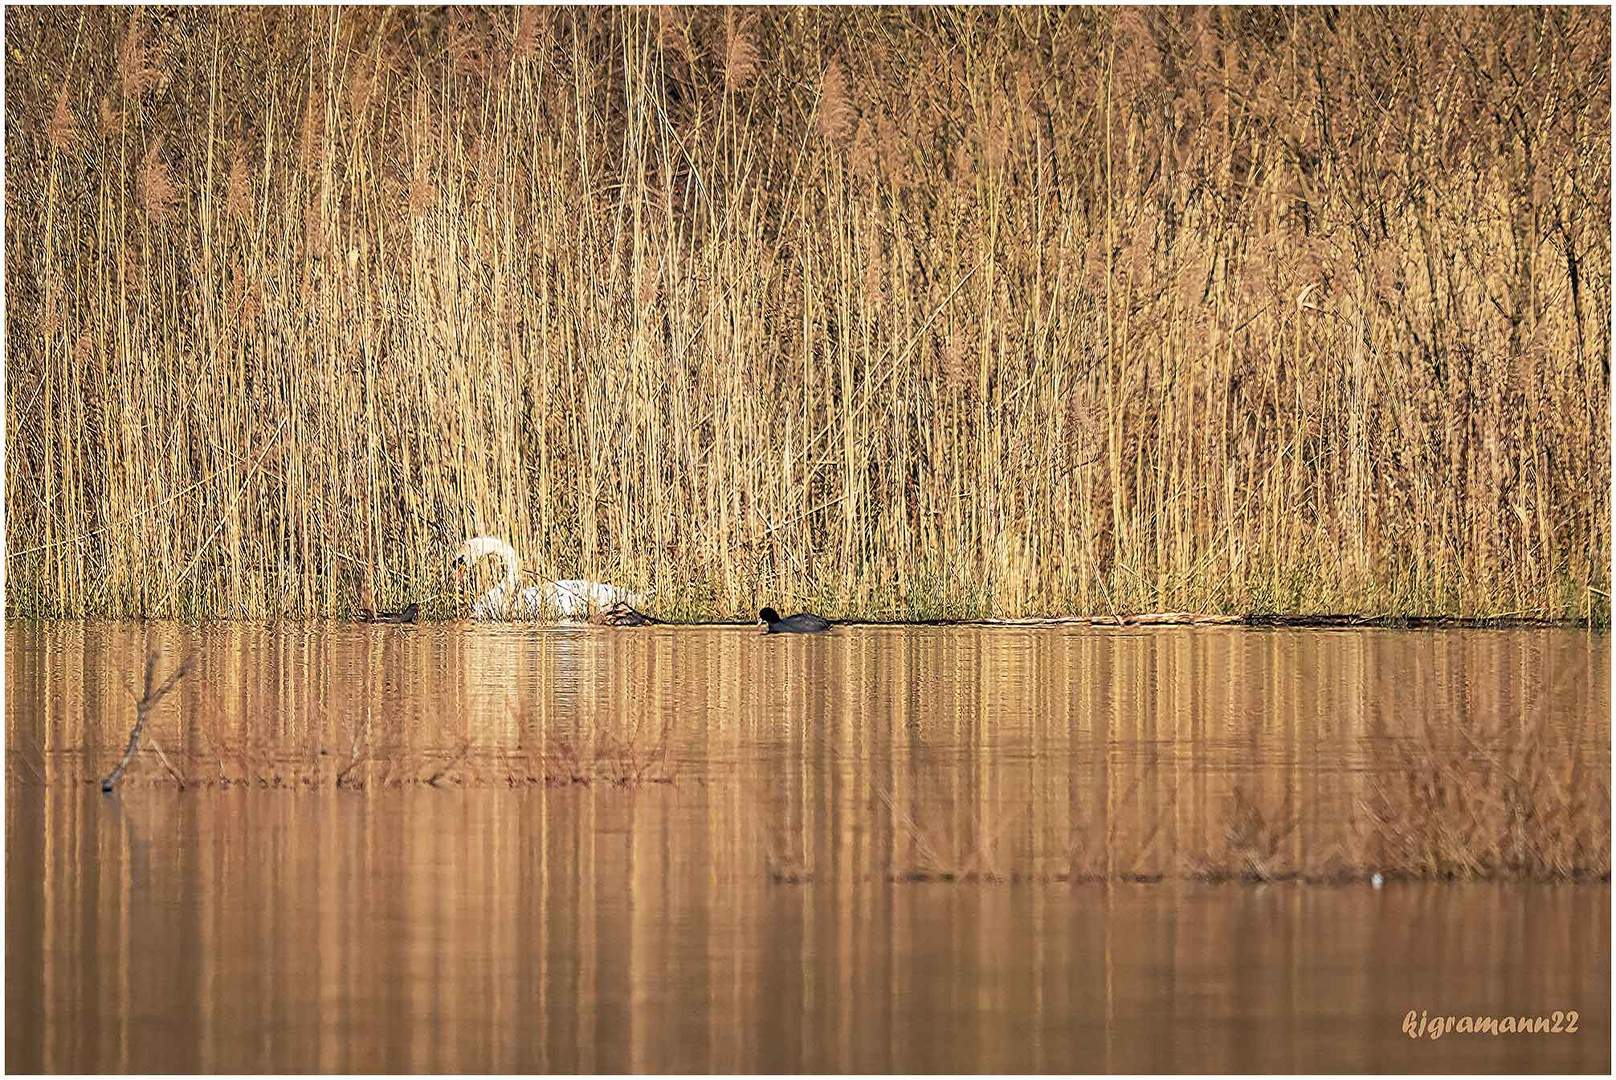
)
(355, 756)
(39, 775)
(151, 694)
(179, 778)
(453, 763)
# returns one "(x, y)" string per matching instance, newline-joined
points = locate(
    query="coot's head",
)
(769, 616)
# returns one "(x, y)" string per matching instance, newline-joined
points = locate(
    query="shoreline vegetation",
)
(953, 313)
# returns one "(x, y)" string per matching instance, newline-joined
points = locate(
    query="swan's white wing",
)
(607, 595)
(571, 597)
(532, 604)
(497, 605)
(493, 606)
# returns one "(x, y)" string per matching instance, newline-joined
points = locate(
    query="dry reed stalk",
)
(1519, 802)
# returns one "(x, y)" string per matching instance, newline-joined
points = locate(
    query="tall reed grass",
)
(901, 313)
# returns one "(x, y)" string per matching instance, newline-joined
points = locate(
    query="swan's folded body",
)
(573, 598)
(569, 598)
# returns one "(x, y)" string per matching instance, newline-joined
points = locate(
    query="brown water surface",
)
(881, 849)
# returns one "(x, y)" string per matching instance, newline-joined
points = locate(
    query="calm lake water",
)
(881, 849)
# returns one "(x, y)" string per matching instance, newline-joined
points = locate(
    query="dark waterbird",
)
(407, 614)
(802, 623)
(621, 614)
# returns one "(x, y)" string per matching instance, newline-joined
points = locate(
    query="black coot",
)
(407, 614)
(803, 623)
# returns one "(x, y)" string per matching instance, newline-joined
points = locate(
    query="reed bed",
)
(901, 313)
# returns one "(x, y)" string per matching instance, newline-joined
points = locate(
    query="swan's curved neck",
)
(496, 598)
(507, 585)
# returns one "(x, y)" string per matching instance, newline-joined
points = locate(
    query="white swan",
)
(572, 598)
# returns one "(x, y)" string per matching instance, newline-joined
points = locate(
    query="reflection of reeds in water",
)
(963, 755)
(604, 755)
(619, 756)
(1498, 779)
(1426, 819)
(1515, 802)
